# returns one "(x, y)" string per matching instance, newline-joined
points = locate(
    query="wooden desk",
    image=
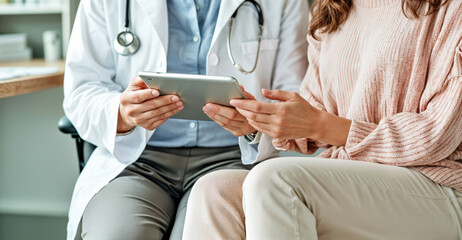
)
(28, 84)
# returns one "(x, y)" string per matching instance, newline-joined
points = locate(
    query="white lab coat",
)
(96, 75)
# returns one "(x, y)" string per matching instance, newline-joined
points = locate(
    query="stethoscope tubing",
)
(129, 48)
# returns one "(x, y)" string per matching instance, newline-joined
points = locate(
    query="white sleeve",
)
(91, 95)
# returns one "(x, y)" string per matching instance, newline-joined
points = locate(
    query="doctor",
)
(137, 181)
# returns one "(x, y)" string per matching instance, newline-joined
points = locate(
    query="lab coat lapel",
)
(227, 8)
(156, 11)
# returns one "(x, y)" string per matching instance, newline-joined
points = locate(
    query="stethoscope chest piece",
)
(126, 43)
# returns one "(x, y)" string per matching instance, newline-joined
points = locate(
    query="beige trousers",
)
(315, 198)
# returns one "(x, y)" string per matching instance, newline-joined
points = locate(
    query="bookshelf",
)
(65, 8)
(21, 9)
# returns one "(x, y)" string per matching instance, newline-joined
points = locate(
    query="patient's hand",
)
(292, 117)
(141, 106)
(229, 118)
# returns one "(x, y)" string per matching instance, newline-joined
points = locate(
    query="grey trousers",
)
(148, 199)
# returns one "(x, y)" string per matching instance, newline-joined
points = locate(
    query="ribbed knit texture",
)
(399, 80)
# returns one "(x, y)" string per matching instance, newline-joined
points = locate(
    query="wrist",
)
(331, 129)
(318, 125)
(122, 125)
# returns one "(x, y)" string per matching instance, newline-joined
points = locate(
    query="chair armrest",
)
(65, 126)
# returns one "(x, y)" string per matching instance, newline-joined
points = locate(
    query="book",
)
(13, 42)
(17, 55)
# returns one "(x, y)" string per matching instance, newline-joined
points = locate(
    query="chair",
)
(84, 149)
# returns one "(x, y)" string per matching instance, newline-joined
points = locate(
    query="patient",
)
(383, 95)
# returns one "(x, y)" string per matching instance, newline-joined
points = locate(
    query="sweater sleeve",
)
(415, 139)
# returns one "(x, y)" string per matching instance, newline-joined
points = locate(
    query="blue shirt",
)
(191, 27)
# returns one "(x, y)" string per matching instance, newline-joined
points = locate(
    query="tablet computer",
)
(194, 90)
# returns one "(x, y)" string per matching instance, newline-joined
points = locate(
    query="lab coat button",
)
(192, 124)
(196, 39)
(213, 59)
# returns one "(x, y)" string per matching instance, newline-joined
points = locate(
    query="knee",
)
(218, 187)
(270, 176)
(120, 228)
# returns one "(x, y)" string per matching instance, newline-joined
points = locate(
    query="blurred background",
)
(38, 164)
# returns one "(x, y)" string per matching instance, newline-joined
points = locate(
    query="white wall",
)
(38, 164)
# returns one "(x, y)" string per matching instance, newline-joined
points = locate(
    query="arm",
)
(94, 101)
(404, 139)
(91, 97)
(293, 118)
(412, 139)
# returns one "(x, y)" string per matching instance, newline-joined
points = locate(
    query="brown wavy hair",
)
(329, 15)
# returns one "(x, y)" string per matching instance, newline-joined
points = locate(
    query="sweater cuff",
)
(359, 130)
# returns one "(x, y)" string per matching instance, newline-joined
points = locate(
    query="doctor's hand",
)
(141, 106)
(229, 118)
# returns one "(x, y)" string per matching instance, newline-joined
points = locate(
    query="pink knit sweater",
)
(400, 82)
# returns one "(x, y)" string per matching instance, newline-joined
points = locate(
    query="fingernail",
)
(155, 93)
(175, 99)
(180, 108)
(179, 104)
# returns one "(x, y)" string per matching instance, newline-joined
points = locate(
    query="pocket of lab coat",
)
(266, 59)
(265, 45)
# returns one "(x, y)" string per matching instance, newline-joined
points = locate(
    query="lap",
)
(150, 196)
(129, 207)
(350, 197)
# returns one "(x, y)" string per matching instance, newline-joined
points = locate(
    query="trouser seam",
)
(185, 169)
(293, 199)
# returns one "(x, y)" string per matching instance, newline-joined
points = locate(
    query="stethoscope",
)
(126, 43)
(260, 32)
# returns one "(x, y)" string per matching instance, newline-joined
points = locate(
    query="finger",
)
(254, 106)
(259, 117)
(224, 125)
(141, 118)
(163, 109)
(227, 112)
(160, 119)
(158, 102)
(236, 131)
(278, 95)
(137, 83)
(247, 95)
(226, 122)
(138, 96)
(157, 124)
(261, 127)
(167, 115)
